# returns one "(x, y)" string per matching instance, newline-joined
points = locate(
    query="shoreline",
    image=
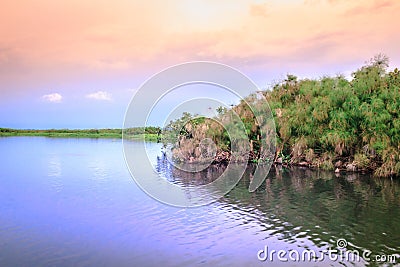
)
(340, 166)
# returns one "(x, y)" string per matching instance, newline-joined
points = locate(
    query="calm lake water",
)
(72, 202)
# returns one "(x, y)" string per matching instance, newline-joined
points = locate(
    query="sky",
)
(77, 64)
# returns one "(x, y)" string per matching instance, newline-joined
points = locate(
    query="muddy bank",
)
(339, 165)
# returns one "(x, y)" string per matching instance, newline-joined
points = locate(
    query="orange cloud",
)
(46, 37)
(258, 10)
(371, 8)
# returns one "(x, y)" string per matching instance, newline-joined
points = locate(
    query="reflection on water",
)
(54, 166)
(311, 208)
(188, 174)
(54, 172)
(72, 202)
(320, 207)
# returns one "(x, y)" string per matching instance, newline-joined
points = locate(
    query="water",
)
(72, 202)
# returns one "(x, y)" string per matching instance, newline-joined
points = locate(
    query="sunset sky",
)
(76, 64)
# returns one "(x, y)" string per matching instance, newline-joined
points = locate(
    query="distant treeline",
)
(103, 133)
(150, 133)
(141, 130)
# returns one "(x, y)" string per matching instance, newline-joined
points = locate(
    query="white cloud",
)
(100, 95)
(53, 98)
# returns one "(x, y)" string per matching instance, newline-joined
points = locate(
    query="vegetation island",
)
(329, 123)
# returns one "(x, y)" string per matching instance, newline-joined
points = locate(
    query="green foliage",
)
(322, 121)
(142, 130)
(319, 121)
(343, 117)
(361, 160)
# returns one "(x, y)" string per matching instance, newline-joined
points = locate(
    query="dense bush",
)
(355, 121)
(327, 123)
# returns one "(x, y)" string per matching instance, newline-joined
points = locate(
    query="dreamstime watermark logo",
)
(341, 243)
(339, 254)
(149, 95)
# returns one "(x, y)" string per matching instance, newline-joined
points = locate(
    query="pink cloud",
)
(100, 95)
(52, 98)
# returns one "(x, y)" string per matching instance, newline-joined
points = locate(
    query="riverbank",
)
(341, 165)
